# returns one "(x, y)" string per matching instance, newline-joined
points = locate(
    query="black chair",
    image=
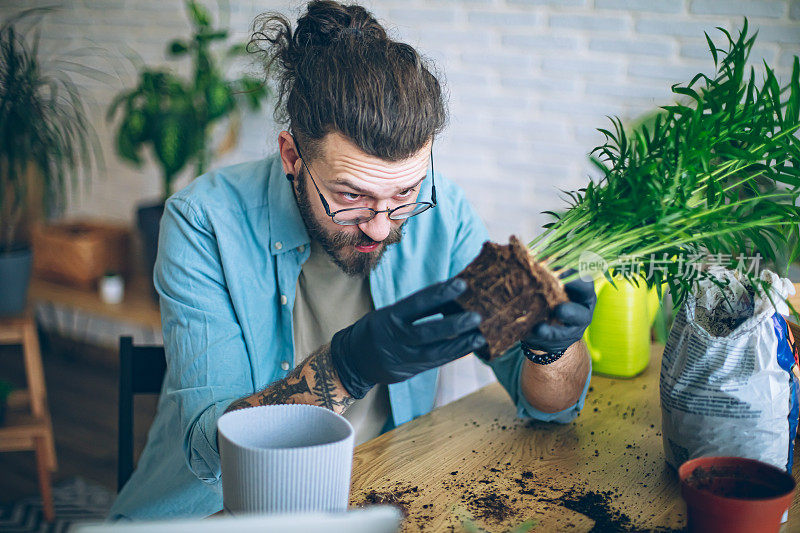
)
(142, 370)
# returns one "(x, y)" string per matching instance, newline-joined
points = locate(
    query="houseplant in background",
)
(175, 116)
(47, 149)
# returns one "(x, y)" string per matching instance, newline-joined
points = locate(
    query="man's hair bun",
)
(338, 70)
(326, 22)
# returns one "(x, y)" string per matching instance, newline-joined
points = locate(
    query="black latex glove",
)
(385, 346)
(574, 316)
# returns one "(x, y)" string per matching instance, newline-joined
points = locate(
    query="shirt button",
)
(285, 365)
(278, 245)
(284, 299)
(301, 248)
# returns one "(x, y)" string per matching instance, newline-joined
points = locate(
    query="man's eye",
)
(351, 196)
(406, 193)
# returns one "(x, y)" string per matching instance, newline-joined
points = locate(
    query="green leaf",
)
(177, 48)
(199, 14)
(711, 47)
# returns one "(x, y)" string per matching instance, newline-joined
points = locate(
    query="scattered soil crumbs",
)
(492, 507)
(401, 497)
(502, 495)
(597, 506)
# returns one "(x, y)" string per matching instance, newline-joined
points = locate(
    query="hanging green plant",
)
(718, 174)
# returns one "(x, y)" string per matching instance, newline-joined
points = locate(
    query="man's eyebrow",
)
(347, 183)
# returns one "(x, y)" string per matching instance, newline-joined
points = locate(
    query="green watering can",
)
(618, 338)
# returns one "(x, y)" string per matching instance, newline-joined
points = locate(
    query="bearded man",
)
(303, 277)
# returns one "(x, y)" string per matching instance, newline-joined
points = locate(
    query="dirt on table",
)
(511, 291)
(500, 497)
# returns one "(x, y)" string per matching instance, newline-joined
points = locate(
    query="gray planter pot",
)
(15, 275)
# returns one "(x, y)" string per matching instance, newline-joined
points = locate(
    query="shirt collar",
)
(287, 229)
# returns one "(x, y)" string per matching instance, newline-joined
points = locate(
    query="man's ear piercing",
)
(290, 177)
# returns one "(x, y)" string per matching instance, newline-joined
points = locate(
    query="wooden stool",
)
(28, 425)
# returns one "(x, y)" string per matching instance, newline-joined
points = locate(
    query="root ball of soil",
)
(511, 291)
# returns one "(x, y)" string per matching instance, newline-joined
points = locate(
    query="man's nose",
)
(378, 228)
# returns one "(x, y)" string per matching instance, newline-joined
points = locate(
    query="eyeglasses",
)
(353, 216)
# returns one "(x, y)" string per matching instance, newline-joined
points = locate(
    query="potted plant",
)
(47, 147)
(174, 115)
(718, 176)
(5, 389)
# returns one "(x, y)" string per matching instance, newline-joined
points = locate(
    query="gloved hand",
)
(386, 346)
(574, 316)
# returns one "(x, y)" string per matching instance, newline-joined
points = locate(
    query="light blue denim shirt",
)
(230, 251)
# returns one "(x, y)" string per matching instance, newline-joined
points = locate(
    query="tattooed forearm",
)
(326, 385)
(313, 382)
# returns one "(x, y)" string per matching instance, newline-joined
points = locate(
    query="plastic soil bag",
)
(727, 387)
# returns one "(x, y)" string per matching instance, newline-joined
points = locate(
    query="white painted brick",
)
(667, 73)
(540, 42)
(504, 19)
(660, 47)
(473, 79)
(551, 3)
(458, 38)
(597, 110)
(581, 66)
(503, 102)
(781, 33)
(739, 8)
(462, 2)
(422, 16)
(532, 129)
(786, 58)
(588, 137)
(657, 94)
(658, 6)
(679, 27)
(589, 22)
(499, 60)
(546, 84)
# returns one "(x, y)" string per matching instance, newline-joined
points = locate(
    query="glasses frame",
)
(375, 213)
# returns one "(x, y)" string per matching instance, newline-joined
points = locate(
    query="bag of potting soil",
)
(727, 388)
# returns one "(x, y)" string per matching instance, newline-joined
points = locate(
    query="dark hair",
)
(339, 71)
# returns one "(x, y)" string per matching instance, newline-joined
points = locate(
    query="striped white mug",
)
(285, 458)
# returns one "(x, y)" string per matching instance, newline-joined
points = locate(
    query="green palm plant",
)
(174, 115)
(46, 139)
(718, 174)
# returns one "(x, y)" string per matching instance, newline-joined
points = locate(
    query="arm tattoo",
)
(325, 385)
(313, 382)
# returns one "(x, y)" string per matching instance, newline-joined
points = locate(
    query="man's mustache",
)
(340, 240)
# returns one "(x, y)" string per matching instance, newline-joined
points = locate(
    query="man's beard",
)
(340, 245)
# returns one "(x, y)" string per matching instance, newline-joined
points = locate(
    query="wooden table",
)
(473, 459)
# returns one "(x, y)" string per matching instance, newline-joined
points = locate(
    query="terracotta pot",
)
(733, 494)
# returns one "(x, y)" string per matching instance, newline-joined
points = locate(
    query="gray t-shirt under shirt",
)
(326, 301)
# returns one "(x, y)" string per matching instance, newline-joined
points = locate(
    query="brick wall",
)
(529, 81)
